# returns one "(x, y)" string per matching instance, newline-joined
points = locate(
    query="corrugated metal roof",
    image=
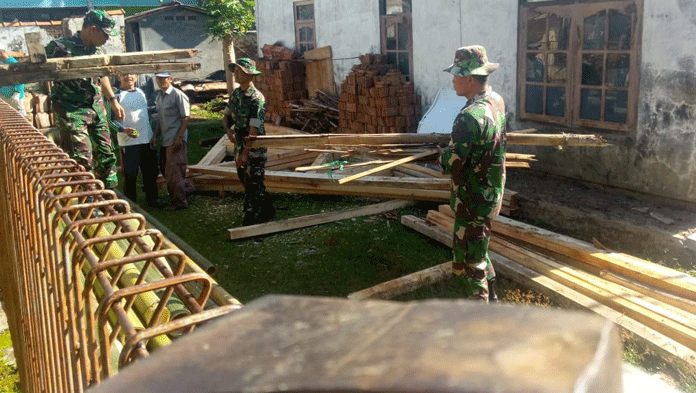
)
(49, 23)
(165, 7)
(83, 3)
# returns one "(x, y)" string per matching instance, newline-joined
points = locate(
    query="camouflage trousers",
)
(258, 206)
(85, 136)
(471, 262)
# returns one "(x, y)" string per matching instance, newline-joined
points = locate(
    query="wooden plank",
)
(560, 293)
(19, 77)
(315, 219)
(676, 301)
(405, 284)
(386, 166)
(513, 138)
(217, 153)
(316, 179)
(591, 287)
(319, 70)
(637, 269)
(35, 48)
(337, 166)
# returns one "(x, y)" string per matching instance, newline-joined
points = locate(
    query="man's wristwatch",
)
(112, 98)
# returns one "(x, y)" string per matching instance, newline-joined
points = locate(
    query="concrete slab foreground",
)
(292, 343)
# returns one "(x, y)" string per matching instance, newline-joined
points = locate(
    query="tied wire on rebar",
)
(87, 285)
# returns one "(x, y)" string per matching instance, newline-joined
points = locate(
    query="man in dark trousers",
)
(173, 115)
(475, 158)
(244, 117)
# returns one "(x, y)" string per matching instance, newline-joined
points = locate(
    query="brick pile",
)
(283, 80)
(377, 99)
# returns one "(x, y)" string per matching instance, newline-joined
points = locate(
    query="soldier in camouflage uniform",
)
(243, 117)
(475, 158)
(78, 107)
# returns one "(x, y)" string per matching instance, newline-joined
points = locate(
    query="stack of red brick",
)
(283, 80)
(376, 98)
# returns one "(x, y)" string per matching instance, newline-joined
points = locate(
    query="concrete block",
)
(293, 343)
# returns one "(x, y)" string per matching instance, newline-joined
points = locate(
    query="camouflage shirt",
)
(476, 156)
(75, 93)
(247, 109)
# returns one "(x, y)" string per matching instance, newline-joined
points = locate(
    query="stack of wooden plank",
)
(377, 165)
(652, 301)
(281, 82)
(376, 98)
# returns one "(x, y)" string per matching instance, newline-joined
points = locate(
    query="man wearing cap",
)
(243, 117)
(173, 115)
(14, 94)
(475, 158)
(78, 107)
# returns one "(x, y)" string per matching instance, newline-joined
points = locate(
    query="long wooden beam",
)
(629, 266)
(314, 219)
(440, 139)
(589, 286)
(17, 78)
(562, 294)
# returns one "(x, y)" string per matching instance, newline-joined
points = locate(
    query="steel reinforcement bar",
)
(87, 285)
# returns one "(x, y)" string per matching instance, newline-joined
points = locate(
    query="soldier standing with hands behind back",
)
(243, 117)
(475, 158)
(78, 107)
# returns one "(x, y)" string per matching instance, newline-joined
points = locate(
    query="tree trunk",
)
(228, 57)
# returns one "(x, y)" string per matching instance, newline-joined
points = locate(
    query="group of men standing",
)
(81, 117)
(475, 156)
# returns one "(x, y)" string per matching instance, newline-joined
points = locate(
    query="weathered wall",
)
(275, 22)
(660, 156)
(435, 39)
(351, 28)
(13, 37)
(159, 34)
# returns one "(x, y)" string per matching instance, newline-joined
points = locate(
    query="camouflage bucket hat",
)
(102, 20)
(247, 65)
(471, 60)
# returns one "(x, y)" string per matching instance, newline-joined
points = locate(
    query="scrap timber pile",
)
(317, 115)
(652, 301)
(376, 98)
(376, 165)
(282, 80)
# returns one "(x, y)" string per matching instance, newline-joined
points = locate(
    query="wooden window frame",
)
(577, 12)
(405, 19)
(302, 23)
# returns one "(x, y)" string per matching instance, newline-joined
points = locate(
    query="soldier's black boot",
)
(492, 296)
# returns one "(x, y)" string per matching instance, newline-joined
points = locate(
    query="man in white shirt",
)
(136, 142)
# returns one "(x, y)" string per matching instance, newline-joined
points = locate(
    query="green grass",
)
(9, 378)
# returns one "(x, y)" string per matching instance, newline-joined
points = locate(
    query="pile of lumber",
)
(281, 82)
(376, 98)
(318, 115)
(202, 90)
(654, 302)
(395, 166)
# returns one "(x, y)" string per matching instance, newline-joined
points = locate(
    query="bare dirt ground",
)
(645, 226)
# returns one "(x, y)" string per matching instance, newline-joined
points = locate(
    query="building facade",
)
(622, 69)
